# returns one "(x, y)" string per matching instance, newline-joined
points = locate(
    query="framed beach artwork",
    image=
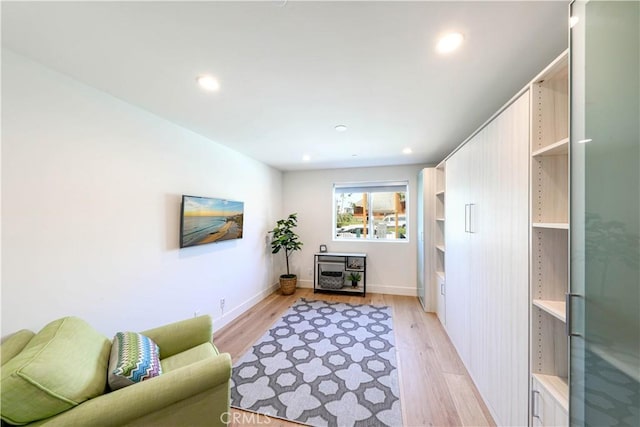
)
(209, 220)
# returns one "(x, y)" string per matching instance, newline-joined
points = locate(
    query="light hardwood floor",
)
(435, 388)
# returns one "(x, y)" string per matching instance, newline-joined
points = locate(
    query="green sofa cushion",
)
(134, 358)
(62, 366)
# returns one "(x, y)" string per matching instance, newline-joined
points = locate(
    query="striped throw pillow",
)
(134, 358)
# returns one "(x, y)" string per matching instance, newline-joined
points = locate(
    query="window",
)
(370, 211)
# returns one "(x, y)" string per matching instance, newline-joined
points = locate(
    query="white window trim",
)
(363, 185)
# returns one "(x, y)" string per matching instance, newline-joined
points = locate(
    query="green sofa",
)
(58, 378)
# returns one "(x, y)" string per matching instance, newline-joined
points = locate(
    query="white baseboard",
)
(305, 283)
(376, 289)
(225, 319)
(393, 290)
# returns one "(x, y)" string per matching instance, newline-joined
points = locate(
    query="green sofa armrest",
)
(14, 344)
(177, 337)
(126, 405)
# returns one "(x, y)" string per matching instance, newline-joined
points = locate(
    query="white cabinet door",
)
(457, 249)
(480, 256)
(545, 409)
(487, 260)
(499, 265)
(441, 289)
(509, 280)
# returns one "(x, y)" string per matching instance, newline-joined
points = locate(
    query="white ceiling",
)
(290, 71)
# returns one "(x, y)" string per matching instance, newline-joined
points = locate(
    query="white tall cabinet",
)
(426, 217)
(487, 250)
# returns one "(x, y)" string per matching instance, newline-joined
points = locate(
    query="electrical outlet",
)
(222, 301)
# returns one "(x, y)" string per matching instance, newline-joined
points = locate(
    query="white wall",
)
(391, 266)
(91, 191)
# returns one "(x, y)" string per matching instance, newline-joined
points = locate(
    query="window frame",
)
(367, 187)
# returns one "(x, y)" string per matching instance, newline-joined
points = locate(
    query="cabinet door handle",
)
(534, 406)
(568, 299)
(471, 217)
(466, 217)
(441, 288)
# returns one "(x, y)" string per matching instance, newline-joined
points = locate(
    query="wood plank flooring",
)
(435, 388)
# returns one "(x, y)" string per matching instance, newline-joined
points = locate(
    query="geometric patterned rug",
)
(323, 364)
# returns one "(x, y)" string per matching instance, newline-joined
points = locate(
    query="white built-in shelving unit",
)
(549, 282)
(426, 213)
(439, 241)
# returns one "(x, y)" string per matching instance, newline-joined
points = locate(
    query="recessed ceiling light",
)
(306, 158)
(573, 21)
(449, 42)
(340, 128)
(407, 150)
(208, 82)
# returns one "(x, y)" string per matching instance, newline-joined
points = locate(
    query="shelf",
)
(549, 264)
(554, 225)
(440, 274)
(341, 254)
(557, 70)
(550, 107)
(440, 248)
(331, 262)
(347, 289)
(556, 387)
(555, 308)
(440, 181)
(550, 189)
(556, 149)
(440, 219)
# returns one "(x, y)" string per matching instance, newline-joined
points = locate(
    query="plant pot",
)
(288, 283)
(354, 283)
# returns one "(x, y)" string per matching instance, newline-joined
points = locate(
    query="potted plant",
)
(355, 277)
(285, 239)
